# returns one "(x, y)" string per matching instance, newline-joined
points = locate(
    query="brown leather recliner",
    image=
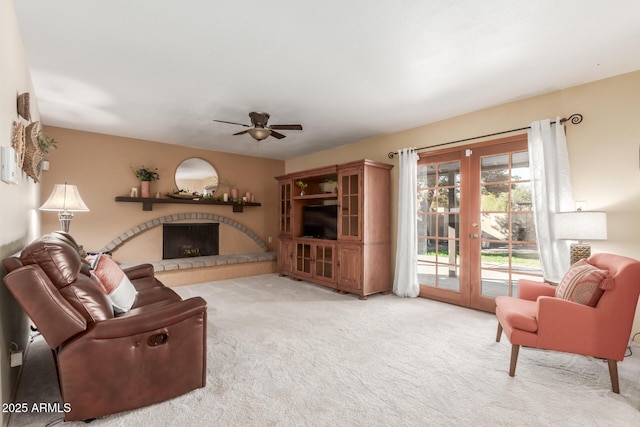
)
(109, 363)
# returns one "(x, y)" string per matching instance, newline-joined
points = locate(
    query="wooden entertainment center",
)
(348, 250)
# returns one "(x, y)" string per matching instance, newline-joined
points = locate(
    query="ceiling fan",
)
(259, 129)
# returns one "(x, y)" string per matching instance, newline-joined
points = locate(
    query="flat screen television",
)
(320, 221)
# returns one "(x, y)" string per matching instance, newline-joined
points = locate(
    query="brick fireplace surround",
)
(184, 271)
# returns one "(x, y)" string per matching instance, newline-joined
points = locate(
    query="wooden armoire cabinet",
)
(339, 237)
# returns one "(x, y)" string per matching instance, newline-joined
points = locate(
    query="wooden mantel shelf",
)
(148, 202)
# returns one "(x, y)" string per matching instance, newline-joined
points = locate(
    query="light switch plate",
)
(9, 165)
(16, 359)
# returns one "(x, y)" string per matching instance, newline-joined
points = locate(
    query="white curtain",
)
(551, 192)
(405, 280)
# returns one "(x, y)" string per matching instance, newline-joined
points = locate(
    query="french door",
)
(476, 234)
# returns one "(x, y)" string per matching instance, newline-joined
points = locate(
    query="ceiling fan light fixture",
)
(259, 130)
(259, 133)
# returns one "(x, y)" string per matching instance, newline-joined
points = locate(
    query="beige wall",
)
(603, 150)
(19, 221)
(100, 165)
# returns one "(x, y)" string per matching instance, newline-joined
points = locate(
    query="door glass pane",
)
(448, 277)
(494, 198)
(328, 262)
(525, 262)
(439, 225)
(448, 199)
(495, 283)
(345, 185)
(346, 225)
(319, 260)
(353, 226)
(449, 174)
(520, 166)
(328, 271)
(521, 197)
(303, 257)
(426, 200)
(439, 275)
(353, 205)
(449, 226)
(495, 168)
(522, 227)
(495, 227)
(324, 260)
(354, 184)
(426, 176)
(285, 208)
(345, 205)
(508, 240)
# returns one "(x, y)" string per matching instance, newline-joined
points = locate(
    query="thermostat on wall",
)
(9, 165)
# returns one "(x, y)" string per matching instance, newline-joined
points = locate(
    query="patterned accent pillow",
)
(115, 283)
(582, 284)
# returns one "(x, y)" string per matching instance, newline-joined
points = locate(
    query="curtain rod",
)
(574, 119)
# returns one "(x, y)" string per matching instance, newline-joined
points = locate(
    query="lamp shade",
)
(581, 225)
(65, 197)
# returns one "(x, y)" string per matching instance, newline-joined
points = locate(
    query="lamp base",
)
(65, 220)
(579, 251)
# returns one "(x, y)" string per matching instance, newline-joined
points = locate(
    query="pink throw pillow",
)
(115, 283)
(582, 284)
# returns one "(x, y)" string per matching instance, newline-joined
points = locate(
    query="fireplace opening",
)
(187, 240)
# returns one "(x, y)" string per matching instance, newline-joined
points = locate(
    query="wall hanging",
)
(33, 155)
(24, 109)
(17, 142)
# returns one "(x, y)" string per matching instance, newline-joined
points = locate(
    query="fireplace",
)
(185, 240)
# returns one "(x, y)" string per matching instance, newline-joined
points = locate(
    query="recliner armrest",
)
(11, 263)
(139, 271)
(531, 290)
(148, 318)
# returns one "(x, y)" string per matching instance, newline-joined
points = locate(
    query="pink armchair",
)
(538, 319)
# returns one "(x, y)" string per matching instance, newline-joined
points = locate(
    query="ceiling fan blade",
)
(232, 123)
(241, 132)
(277, 134)
(286, 127)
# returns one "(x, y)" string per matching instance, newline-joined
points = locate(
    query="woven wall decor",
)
(24, 109)
(17, 142)
(33, 155)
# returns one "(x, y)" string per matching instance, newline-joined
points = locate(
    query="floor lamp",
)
(65, 199)
(581, 225)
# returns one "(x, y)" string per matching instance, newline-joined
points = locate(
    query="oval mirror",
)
(196, 175)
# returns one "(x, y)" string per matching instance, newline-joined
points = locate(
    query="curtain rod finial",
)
(574, 119)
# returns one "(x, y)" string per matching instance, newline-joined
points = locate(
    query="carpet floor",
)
(287, 353)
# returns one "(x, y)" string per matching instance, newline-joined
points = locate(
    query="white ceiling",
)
(346, 70)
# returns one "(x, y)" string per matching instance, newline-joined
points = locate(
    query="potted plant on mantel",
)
(145, 175)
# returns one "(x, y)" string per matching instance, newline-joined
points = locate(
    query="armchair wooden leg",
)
(613, 373)
(514, 359)
(499, 332)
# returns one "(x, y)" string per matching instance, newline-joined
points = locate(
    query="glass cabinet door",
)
(285, 207)
(350, 189)
(324, 261)
(303, 258)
